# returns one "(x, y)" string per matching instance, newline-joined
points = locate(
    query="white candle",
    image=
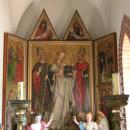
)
(115, 83)
(20, 91)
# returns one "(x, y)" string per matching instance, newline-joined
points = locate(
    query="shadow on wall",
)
(60, 14)
(96, 25)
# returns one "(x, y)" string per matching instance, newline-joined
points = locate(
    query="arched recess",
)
(93, 16)
(125, 29)
(123, 63)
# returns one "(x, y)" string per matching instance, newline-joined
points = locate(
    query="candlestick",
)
(20, 91)
(115, 83)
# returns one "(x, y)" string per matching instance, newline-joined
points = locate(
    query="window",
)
(124, 68)
(126, 74)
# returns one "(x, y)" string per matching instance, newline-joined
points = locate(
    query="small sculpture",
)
(40, 124)
(88, 125)
(102, 121)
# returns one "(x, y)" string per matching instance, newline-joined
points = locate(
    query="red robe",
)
(36, 82)
(19, 66)
(80, 87)
(43, 34)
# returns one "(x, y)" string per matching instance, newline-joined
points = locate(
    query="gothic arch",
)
(125, 29)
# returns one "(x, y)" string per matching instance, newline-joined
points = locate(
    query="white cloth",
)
(63, 96)
(90, 126)
(36, 126)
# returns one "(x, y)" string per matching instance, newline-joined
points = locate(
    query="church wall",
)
(119, 8)
(5, 26)
(18, 8)
(19, 17)
(100, 17)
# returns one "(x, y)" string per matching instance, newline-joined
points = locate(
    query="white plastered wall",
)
(117, 9)
(5, 26)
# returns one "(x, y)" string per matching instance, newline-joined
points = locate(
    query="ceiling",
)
(94, 13)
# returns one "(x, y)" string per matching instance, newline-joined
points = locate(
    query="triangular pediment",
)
(76, 29)
(44, 29)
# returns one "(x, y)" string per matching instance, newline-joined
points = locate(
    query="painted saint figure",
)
(81, 88)
(41, 93)
(63, 97)
(102, 64)
(39, 76)
(19, 63)
(43, 32)
(77, 32)
(109, 60)
(11, 62)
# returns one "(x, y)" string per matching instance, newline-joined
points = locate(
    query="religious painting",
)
(14, 71)
(105, 49)
(104, 89)
(60, 75)
(76, 29)
(44, 29)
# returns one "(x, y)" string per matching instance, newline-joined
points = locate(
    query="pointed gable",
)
(44, 29)
(76, 29)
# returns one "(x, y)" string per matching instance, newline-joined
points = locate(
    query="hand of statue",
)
(46, 77)
(74, 118)
(74, 73)
(61, 72)
(52, 116)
